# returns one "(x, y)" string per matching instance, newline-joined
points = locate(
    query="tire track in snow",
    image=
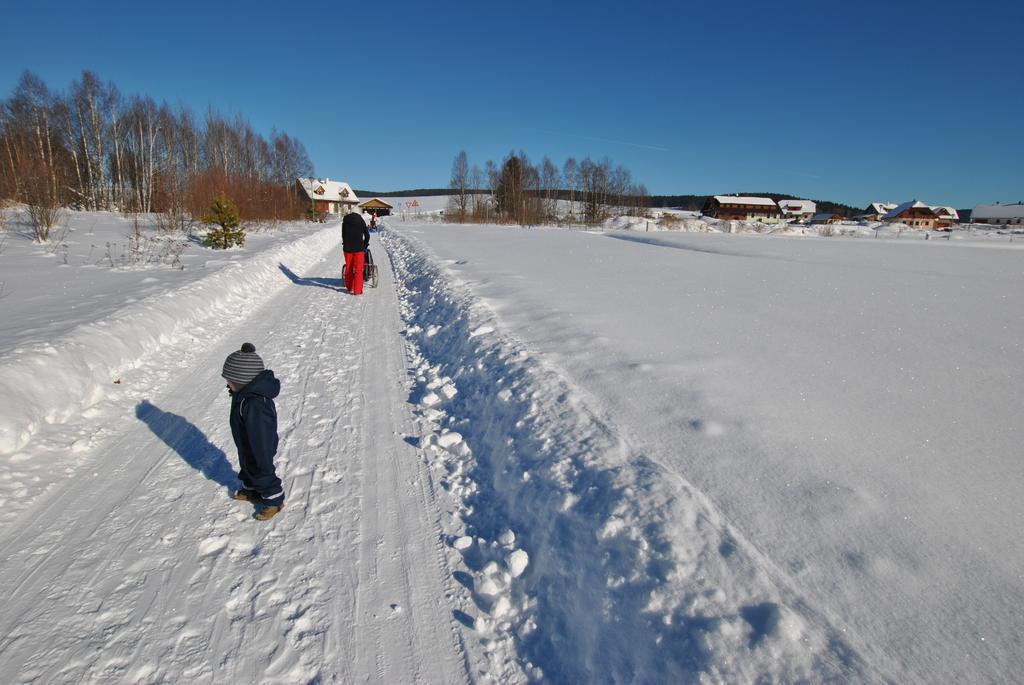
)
(401, 566)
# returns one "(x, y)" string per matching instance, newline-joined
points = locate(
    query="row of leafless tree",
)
(521, 192)
(93, 148)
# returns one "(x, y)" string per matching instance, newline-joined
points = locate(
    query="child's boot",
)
(268, 512)
(247, 496)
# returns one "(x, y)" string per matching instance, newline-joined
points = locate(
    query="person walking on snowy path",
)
(254, 429)
(355, 238)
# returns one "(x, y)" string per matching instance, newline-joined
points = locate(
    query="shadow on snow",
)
(191, 444)
(329, 283)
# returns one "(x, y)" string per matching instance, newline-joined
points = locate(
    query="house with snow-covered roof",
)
(998, 214)
(876, 211)
(827, 218)
(740, 208)
(914, 214)
(798, 210)
(327, 196)
(945, 217)
(377, 207)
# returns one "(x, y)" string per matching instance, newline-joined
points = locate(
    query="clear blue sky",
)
(848, 101)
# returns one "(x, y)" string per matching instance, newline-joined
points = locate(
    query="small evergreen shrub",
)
(224, 214)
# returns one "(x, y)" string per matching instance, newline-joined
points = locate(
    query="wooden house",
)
(876, 211)
(739, 208)
(827, 218)
(327, 196)
(945, 217)
(377, 207)
(914, 214)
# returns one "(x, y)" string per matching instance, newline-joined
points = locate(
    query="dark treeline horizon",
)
(684, 202)
(521, 192)
(91, 147)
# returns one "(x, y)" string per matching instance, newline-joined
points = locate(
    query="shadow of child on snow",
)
(189, 442)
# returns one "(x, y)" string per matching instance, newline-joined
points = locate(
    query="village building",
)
(327, 196)
(797, 210)
(998, 215)
(945, 217)
(377, 207)
(914, 214)
(876, 211)
(739, 208)
(827, 218)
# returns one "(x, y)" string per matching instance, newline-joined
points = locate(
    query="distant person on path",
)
(355, 238)
(373, 221)
(254, 428)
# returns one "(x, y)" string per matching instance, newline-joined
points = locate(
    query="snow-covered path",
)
(139, 568)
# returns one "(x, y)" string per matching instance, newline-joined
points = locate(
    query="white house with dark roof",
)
(799, 210)
(327, 196)
(998, 214)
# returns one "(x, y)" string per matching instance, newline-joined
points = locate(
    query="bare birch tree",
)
(570, 176)
(550, 179)
(458, 201)
(479, 201)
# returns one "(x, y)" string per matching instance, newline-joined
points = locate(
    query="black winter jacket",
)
(254, 419)
(355, 237)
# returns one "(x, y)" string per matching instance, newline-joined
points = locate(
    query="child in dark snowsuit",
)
(254, 428)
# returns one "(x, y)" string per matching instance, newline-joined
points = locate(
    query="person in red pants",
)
(355, 238)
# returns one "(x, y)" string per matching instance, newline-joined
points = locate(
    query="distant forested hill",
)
(689, 202)
(415, 192)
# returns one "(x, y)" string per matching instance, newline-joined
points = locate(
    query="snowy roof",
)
(376, 203)
(946, 210)
(998, 212)
(740, 200)
(326, 189)
(801, 206)
(881, 207)
(913, 204)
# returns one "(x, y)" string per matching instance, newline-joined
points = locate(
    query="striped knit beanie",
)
(242, 366)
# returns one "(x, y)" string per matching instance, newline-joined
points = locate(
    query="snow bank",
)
(50, 384)
(583, 561)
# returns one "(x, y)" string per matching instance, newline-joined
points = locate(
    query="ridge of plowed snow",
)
(583, 559)
(47, 386)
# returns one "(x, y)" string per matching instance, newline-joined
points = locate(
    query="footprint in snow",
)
(212, 546)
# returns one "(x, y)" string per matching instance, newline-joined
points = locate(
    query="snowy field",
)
(797, 457)
(89, 269)
(529, 455)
